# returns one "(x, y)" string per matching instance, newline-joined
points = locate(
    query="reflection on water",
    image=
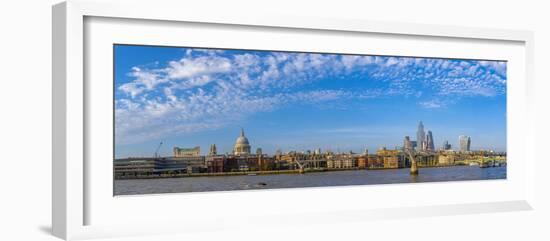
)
(317, 179)
(413, 178)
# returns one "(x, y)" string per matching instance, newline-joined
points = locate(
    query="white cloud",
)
(132, 88)
(144, 80)
(191, 67)
(431, 104)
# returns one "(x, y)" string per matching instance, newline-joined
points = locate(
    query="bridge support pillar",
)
(414, 168)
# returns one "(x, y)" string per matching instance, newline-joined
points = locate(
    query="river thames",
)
(313, 179)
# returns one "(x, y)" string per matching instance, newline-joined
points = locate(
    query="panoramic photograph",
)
(191, 119)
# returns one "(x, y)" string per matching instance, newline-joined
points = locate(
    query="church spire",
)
(242, 131)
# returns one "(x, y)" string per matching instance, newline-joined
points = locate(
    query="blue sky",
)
(298, 101)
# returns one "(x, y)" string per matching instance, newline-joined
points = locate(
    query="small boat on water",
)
(474, 164)
(251, 174)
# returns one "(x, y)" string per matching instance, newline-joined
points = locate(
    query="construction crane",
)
(157, 150)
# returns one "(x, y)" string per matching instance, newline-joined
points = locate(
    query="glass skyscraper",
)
(430, 142)
(464, 142)
(420, 137)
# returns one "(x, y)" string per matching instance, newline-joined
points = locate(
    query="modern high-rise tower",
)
(420, 137)
(430, 142)
(407, 144)
(446, 146)
(464, 143)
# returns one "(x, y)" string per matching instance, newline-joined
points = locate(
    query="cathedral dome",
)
(242, 141)
(242, 146)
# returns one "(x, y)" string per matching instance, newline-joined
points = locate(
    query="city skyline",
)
(298, 101)
(429, 146)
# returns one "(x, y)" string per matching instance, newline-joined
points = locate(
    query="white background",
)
(25, 123)
(106, 211)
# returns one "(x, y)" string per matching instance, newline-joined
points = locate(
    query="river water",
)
(315, 179)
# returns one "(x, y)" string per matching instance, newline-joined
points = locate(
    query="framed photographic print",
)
(168, 113)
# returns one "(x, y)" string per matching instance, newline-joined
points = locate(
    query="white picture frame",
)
(75, 201)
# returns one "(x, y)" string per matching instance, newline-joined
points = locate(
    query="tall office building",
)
(446, 146)
(407, 144)
(430, 142)
(421, 137)
(464, 143)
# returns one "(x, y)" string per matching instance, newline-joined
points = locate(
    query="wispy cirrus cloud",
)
(432, 104)
(209, 89)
